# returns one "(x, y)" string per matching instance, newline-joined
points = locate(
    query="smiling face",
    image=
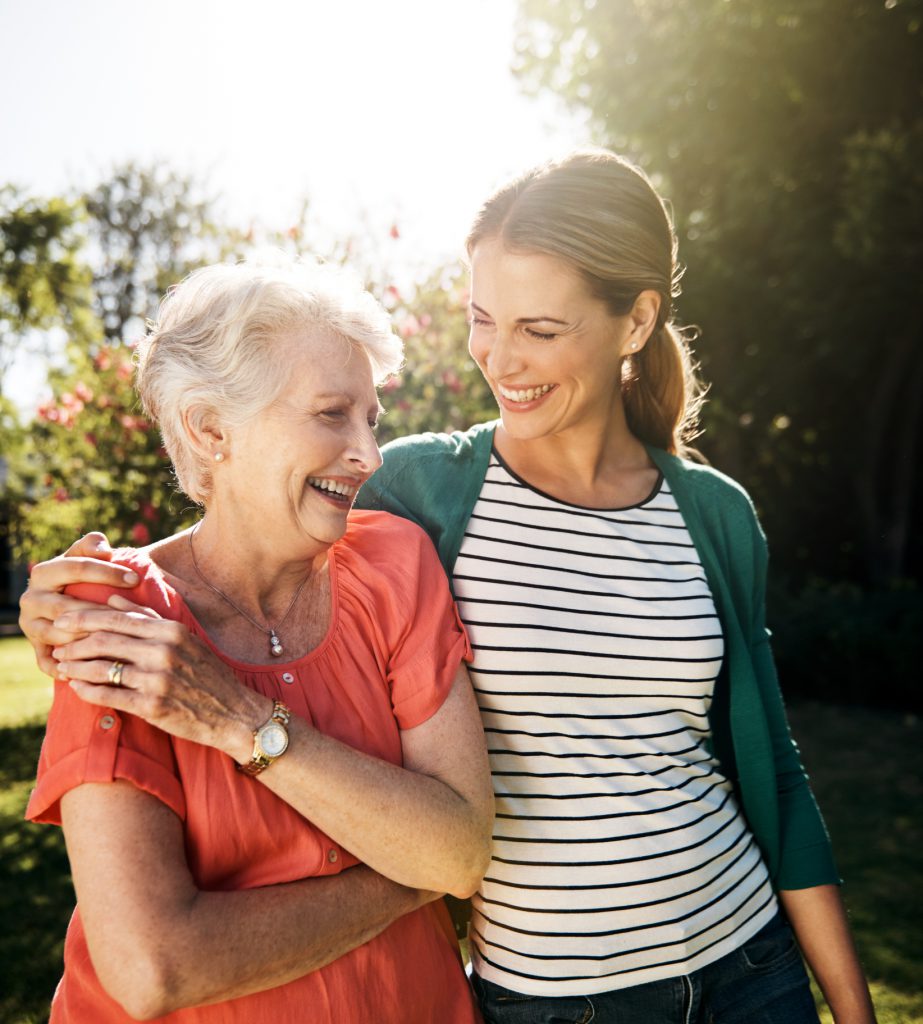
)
(550, 351)
(293, 471)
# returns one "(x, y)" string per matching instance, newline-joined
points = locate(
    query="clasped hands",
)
(170, 678)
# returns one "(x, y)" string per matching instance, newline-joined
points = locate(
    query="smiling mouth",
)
(334, 489)
(524, 394)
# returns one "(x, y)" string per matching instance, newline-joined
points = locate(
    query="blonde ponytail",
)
(660, 391)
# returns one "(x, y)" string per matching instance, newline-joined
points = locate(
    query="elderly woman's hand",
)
(170, 677)
(86, 561)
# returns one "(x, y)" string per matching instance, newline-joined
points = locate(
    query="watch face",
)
(273, 739)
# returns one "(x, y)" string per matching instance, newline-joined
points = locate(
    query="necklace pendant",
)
(275, 644)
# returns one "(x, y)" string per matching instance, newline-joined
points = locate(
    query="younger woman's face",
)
(550, 351)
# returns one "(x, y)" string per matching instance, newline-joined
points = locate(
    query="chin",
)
(522, 427)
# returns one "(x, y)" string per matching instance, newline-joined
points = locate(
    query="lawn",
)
(866, 766)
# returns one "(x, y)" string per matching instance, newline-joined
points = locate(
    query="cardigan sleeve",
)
(805, 853)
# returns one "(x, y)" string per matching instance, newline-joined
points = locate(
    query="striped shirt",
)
(620, 855)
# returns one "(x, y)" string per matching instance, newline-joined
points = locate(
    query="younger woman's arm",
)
(818, 918)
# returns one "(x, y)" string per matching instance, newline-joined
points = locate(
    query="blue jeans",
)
(761, 982)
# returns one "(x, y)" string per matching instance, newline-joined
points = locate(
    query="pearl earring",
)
(219, 456)
(633, 346)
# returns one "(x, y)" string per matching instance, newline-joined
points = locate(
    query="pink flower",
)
(123, 371)
(425, 320)
(409, 327)
(83, 392)
(140, 534)
(391, 384)
(451, 380)
(148, 511)
(61, 495)
(102, 360)
(395, 231)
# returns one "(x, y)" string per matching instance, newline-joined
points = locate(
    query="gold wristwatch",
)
(270, 740)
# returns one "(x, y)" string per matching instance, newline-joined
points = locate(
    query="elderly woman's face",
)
(295, 469)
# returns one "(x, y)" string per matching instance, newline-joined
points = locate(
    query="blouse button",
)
(332, 856)
(287, 677)
(106, 722)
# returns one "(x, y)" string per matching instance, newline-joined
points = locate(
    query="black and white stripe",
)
(620, 855)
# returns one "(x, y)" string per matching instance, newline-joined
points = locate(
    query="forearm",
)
(818, 918)
(225, 948)
(159, 943)
(409, 826)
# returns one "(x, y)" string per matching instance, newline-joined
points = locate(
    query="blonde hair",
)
(214, 349)
(601, 215)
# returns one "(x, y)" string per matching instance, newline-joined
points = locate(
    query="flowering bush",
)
(440, 387)
(92, 461)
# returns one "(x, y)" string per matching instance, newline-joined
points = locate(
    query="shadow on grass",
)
(36, 896)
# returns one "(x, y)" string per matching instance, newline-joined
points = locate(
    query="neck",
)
(581, 463)
(249, 570)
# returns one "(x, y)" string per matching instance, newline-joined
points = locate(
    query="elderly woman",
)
(268, 769)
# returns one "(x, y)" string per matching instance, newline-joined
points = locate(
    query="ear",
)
(641, 321)
(205, 432)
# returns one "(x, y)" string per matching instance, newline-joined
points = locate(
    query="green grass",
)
(26, 693)
(867, 772)
(36, 897)
(866, 768)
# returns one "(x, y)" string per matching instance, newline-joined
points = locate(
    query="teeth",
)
(524, 394)
(332, 485)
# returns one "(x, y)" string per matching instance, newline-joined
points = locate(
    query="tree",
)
(788, 137)
(43, 281)
(92, 460)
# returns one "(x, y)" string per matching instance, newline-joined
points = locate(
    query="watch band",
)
(260, 759)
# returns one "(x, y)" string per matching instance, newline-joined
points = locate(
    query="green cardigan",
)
(435, 479)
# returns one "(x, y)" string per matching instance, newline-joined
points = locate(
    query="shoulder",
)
(152, 591)
(706, 491)
(385, 543)
(454, 448)
(430, 477)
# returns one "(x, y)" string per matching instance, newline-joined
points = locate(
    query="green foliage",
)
(43, 282)
(95, 462)
(149, 227)
(440, 387)
(843, 644)
(788, 138)
(91, 460)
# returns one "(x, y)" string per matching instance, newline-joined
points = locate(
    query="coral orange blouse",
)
(387, 663)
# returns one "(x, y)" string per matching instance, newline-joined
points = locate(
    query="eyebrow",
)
(526, 319)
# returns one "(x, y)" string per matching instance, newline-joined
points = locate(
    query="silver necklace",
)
(275, 644)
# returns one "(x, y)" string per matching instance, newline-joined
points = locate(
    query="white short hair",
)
(214, 346)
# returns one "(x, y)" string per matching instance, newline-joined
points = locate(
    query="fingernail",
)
(62, 623)
(131, 578)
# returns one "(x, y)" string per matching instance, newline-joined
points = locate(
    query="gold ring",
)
(114, 675)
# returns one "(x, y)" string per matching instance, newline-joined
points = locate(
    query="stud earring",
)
(633, 346)
(219, 456)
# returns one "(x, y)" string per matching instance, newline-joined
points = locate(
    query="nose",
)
(498, 354)
(365, 454)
